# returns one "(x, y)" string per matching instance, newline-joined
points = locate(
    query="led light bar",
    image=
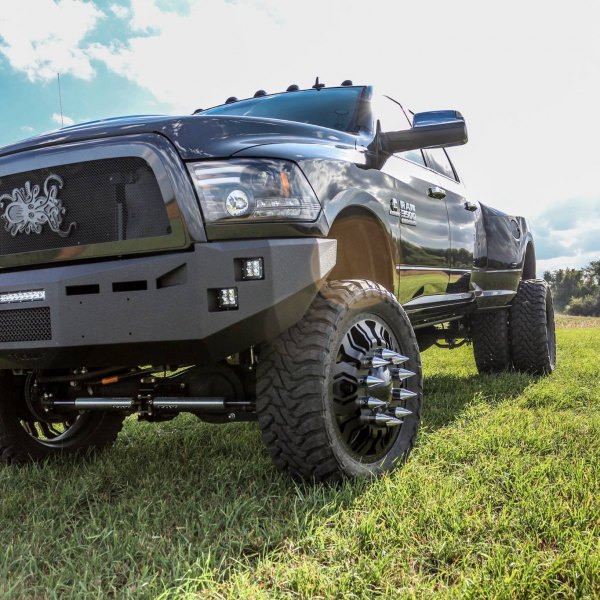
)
(28, 296)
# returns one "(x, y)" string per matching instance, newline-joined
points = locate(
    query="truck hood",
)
(196, 136)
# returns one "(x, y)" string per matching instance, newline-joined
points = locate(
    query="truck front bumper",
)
(159, 309)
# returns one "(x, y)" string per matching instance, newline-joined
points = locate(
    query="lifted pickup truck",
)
(282, 258)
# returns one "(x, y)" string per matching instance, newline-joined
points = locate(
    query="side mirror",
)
(433, 129)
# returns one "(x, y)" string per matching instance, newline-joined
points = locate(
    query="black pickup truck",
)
(283, 258)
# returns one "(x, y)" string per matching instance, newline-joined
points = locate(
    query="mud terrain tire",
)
(491, 345)
(533, 338)
(310, 432)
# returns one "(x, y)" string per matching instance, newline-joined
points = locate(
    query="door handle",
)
(436, 192)
(470, 206)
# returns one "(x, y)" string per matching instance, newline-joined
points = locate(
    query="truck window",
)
(335, 108)
(441, 163)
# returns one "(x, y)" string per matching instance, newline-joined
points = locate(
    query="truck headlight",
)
(246, 190)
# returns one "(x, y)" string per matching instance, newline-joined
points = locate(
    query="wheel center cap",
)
(382, 391)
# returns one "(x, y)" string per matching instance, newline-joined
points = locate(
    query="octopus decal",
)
(27, 212)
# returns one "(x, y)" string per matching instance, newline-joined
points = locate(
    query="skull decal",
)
(27, 212)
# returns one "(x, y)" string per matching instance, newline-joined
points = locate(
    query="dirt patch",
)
(571, 322)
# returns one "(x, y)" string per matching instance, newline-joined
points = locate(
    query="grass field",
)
(500, 499)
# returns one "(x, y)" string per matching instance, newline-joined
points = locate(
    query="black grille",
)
(25, 324)
(109, 200)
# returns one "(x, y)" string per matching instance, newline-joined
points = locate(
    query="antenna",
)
(62, 120)
(318, 86)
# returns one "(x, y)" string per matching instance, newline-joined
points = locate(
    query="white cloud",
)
(529, 148)
(120, 11)
(42, 37)
(213, 52)
(147, 15)
(576, 261)
(27, 129)
(62, 121)
(566, 234)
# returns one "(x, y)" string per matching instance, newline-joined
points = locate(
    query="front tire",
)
(28, 434)
(533, 336)
(319, 416)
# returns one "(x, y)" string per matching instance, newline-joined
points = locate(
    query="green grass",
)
(500, 499)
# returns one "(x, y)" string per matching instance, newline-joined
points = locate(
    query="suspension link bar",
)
(148, 405)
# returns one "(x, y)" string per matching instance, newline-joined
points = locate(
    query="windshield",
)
(336, 108)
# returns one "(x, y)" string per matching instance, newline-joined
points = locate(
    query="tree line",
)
(576, 291)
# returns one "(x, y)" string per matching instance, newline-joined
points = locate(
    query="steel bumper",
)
(158, 309)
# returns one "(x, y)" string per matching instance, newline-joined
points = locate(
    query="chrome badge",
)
(27, 212)
(408, 213)
(405, 210)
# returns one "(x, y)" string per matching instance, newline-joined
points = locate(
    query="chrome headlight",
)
(247, 190)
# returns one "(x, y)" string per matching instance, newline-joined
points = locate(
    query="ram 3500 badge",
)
(283, 258)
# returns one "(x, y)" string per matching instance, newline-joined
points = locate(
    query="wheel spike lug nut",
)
(372, 403)
(401, 374)
(400, 359)
(402, 394)
(381, 420)
(375, 362)
(395, 357)
(374, 382)
(400, 412)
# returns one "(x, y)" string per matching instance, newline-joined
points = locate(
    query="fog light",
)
(227, 298)
(252, 268)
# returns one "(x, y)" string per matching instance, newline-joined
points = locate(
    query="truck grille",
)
(25, 324)
(78, 204)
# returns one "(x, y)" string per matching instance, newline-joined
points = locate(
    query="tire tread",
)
(491, 344)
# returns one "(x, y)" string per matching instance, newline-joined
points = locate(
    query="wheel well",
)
(363, 249)
(529, 266)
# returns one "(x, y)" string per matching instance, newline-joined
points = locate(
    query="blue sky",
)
(30, 104)
(526, 75)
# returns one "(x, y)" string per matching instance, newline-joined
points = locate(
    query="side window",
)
(441, 163)
(415, 156)
(392, 118)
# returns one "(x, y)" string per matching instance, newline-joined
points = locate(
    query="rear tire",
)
(25, 437)
(491, 344)
(310, 385)
(533, 337)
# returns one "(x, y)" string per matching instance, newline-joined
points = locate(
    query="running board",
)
(483, 299)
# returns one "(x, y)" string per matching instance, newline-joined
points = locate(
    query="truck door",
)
(424, 231)
(461, 215)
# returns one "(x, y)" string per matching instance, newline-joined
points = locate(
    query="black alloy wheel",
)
(368, 397)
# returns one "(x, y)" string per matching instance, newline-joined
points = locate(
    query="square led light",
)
(227, 298)
(252, 268)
